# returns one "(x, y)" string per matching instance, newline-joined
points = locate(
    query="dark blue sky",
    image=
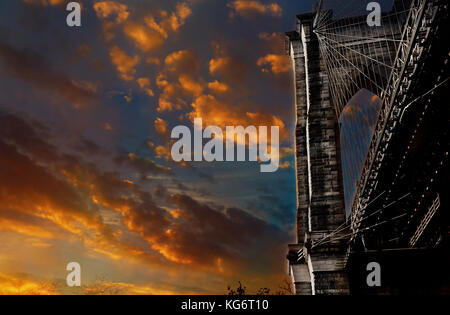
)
(357, 123)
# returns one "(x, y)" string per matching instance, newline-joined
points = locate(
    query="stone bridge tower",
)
(316, 269)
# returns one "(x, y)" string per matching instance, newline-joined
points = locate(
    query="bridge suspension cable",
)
(343, 227)
(366, 228)
(358, 56)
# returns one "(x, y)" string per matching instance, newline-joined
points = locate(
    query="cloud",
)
(144, 84)
(58, 201)
(112, 14)
(188, 84)
(166, 22)
(83, 51)
(277, 64)
(218, 87)
(50, 195)
(232, 69)
(203, 235)
(145, 39)
(125, 65)
(155, 29)
(117, 12)
(26, 284)
(216, 113)
(169, 99)
(254, 8)
(182, 62)
(41, 195)
(274, 42)
(178, 18)
(268, 36)
(161, 126)
(31, 67)
(153, 61)
(22, 284)
(47, 194)
(163, 151)
(27, 224)
(131, 289)
(146, 166)
(176, 80)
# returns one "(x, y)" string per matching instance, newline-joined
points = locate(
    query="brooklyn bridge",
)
(372, 144)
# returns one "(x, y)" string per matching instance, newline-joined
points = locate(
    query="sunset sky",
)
(85, 119)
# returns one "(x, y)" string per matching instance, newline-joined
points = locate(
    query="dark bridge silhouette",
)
(399, 216)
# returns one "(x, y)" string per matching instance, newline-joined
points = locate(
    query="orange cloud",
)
(182, 61)
(273, 41)
(146, 39)
(128, 289)
(254, 8)
(178, 18)
(154, 30)
(166, 22)
(161, 80)
(24, 285)
(268, 36)
(144, 84)
(216, 113)
(55, 201)
(161, 126)
(176, 79)
(232, 69)
(275, 63)
(153, 61)
(125, 65)
(170, 99)
(108, 127)
(163, 152)
(111, 13)
(25, 228)
(285, 164)
(218, 87)
(111, 9)
(190, 85)
(218, 65)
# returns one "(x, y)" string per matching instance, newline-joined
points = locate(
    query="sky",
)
(86, 173)
(357, 123)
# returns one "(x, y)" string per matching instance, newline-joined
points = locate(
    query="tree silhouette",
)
(285, 288)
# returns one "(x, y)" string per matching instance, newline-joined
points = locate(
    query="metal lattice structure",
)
(416, 29)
